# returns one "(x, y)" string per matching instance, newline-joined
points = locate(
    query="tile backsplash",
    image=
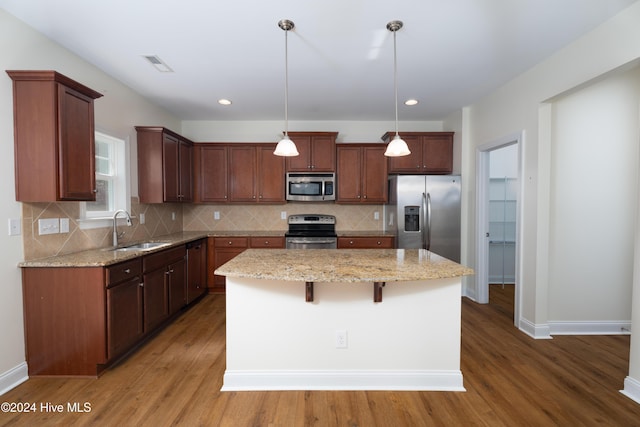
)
(188, 217)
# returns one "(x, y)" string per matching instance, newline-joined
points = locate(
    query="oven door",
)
(311, 242)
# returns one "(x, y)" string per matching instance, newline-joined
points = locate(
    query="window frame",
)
(122, 199)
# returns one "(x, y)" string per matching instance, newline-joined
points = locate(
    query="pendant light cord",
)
(395, 77)
(286, 83)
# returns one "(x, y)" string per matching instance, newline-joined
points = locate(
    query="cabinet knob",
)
(351, 242)
(266, 242)
(127, 270)
(230, 242)
(379, 243)
(95, 190)
(141, 284)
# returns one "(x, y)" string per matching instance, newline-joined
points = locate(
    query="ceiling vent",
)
(158, 63)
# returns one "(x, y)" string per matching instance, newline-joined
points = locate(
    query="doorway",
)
(498, 212)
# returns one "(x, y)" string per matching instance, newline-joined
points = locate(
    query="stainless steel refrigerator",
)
(424, 212)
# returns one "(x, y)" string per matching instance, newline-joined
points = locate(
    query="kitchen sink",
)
(146, 246)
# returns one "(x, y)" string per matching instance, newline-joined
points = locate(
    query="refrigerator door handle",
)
(427, 210)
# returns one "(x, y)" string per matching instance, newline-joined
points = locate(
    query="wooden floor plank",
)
(510, 378)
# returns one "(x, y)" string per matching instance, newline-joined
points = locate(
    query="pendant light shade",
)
(397, 147)
(286, 147)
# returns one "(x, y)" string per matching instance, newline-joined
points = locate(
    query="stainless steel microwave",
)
(311, 186)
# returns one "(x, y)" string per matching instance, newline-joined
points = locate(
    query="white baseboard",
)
(618, 327)
(13, 377)
(343, 380)
(539, 332)
(631, 389)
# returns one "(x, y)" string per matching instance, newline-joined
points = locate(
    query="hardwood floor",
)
(511, 380)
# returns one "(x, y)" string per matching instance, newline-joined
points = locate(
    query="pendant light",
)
(397, 147)
(286, 147)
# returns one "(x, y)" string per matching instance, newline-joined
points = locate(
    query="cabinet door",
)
(411, 163)
(349, 172)
(438, 154)
(301, 162)
(176, 275)
(211, 173)
(77, 178)
(323, 154)
(374, 175)
(185, 156)
(242, 174)
(124, 316)
(156, 307)
(170, 165)
(270, 176)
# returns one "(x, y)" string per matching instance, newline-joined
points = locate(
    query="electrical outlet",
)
(341, 339)
(376, 215)
(216, 215)
(64, 225)
(283, 215)
(142, 218)
(173, 216)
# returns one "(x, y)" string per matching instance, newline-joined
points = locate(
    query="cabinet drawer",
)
(230, 242)
(161, 259)
(384, 242)
(123, 271)
(267, 242)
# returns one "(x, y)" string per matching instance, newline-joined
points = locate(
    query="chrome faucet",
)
(115, 225)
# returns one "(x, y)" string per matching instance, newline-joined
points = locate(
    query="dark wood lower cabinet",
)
(79, 320)
(224, 249)
(366, 242)
(124, 316)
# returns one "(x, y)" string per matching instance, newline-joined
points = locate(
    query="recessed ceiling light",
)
(224, 101)
(411, 102)
(158, 63)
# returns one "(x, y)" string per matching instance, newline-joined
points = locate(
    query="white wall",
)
(520, 106)
(116, 113)
(594, 175)
(517, 107)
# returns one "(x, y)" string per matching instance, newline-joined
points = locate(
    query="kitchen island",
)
(346, 319)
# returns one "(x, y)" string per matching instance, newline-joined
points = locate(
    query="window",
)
(111, 180)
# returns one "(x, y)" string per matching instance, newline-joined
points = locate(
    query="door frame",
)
(482, 219)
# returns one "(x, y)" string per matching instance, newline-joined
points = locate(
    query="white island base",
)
(278, 341)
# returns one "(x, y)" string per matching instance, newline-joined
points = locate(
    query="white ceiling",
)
(450, 53)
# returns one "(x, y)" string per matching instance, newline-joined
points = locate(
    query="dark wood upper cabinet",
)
(431, 153)
(210, 173)
(238, 173)
(165, 166)
(54, 137)
(361, 173)
(317, 152)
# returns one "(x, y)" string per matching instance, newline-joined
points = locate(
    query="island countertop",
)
(342, 265)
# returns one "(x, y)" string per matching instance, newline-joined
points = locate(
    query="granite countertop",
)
(107, 256)
(342, 265)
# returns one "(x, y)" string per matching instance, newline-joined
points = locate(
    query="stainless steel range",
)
(311, 231)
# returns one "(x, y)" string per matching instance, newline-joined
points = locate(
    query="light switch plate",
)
(64, 225)
(15, 227)
(48, 226)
